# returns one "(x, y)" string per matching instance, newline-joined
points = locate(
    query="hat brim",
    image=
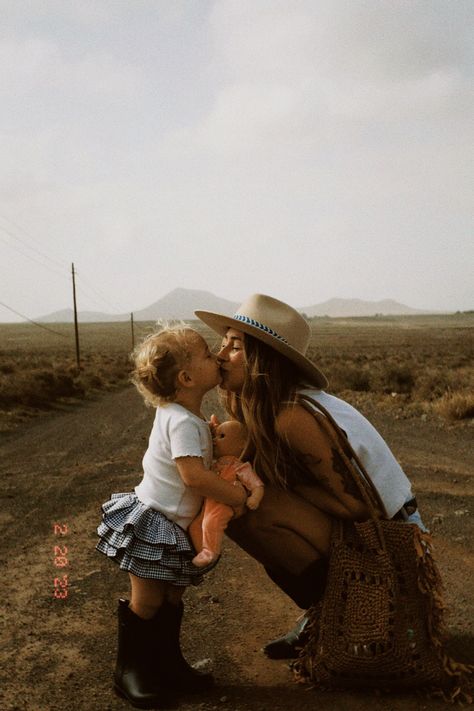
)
(220, 323)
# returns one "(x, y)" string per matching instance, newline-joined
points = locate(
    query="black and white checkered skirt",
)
(146, 543)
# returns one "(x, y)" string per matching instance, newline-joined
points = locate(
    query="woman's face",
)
(232, 361)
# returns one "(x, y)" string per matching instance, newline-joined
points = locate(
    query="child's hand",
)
(241, 509)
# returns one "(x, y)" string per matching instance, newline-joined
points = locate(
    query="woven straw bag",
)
(380, 622)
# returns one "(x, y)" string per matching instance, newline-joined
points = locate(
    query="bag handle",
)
(360, 476)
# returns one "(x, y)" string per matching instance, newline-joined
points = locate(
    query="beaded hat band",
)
(275, 323)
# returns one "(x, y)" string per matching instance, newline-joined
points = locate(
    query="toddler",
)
(144, 531)
(207, 530)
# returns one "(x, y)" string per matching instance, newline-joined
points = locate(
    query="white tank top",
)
(385, 472)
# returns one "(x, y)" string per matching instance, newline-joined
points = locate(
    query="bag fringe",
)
(457, 675)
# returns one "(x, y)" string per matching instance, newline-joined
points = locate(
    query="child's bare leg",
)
(174, 593)
(147, 596)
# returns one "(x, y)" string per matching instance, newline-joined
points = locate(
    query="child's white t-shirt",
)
(176, 433)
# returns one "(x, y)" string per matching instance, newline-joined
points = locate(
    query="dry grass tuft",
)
(455, 406)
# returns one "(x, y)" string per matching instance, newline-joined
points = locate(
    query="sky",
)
(306, 149)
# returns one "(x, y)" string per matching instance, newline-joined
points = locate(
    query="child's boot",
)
(178, 673)
(134, 677)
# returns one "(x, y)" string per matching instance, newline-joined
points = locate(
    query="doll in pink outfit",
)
(207, 529)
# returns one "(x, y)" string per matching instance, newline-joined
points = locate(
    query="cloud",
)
(256, 140)
(35, 65)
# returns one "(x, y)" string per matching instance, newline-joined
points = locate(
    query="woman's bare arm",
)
(334, 490)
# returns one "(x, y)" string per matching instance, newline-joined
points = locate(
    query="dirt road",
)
(59, 653)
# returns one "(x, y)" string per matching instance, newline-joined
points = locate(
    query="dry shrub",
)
(397, 379)
(455, 406)
(93, 381)
(7, 368)
(433, 383)
(348, 377)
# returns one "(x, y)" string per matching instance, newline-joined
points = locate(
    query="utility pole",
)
(76, 329)
(133, 333)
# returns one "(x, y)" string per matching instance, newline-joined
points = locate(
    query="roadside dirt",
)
(59, 653)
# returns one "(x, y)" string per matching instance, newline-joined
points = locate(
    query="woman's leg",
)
(285, 533)
(291, 538)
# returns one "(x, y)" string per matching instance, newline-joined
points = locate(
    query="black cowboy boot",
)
(134, 677)
(176, 673)
(289, 645)
(304, 589)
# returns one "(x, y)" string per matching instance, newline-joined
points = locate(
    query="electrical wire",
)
(29, 256)
(44, 256)
(56, 262)
(98, 294)
(40, 325)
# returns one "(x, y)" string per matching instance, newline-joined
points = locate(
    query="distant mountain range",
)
(181, 304)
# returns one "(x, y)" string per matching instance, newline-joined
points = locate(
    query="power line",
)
(62, 265)
(98, 294)
(29, 256)
(40, 325)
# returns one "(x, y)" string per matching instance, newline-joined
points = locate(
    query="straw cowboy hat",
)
(275, 323)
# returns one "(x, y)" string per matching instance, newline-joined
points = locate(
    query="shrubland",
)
(418, 364)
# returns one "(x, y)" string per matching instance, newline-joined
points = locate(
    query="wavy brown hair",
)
(271, 382)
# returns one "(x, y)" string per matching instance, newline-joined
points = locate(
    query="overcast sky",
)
(306, 149)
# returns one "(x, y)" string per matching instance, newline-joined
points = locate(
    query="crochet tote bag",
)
(380, 623)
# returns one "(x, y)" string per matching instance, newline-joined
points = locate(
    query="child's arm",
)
(204, 482)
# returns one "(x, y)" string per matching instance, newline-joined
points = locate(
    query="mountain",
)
(67, 316)
(356, 307)
(178, 304)
(181, 304)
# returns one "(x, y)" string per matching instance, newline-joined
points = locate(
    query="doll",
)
(207, 529)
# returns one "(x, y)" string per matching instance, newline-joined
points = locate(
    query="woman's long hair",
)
(271, 382)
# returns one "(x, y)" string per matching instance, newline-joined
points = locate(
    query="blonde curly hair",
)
(158, 360)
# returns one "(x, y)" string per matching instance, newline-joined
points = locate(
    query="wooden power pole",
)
(76, 328)
(133, 332)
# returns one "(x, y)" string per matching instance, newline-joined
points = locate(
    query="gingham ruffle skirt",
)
(146, 543)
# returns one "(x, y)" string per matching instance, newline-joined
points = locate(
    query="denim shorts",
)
(416, 518)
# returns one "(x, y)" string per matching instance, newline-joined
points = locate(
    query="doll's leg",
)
(195, 530)
(215, 519)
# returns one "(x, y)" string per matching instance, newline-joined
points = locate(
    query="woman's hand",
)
(213, 424)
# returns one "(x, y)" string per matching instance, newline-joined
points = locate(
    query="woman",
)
(266, 374)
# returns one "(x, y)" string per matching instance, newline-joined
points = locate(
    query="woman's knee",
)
(287, 521)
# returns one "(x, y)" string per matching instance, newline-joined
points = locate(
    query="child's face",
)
(204, 368)
(229, 439)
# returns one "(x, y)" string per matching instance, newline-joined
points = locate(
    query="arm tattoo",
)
(340, 467)
(311, 462)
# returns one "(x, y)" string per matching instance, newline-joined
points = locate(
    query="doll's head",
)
(229, 439)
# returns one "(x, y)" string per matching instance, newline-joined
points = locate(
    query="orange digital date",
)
(60, 591)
